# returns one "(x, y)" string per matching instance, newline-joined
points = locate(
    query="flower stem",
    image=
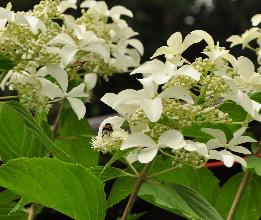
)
(136, 189)
(9, 97)
(57, 121)
(240, 191)
(161, 172)
(31, 212)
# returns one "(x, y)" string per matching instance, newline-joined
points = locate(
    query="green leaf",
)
(179, 200)
(236, 112)
(5, 212)
(201, 180)
(195, 131)
(121, 188)
(6, 63)
(31, 123)
(78, 147)
(254, 162)
(68, 188)
(249, 205)
(108, 174)
(16, 139)
(7, 196)
(256, 97)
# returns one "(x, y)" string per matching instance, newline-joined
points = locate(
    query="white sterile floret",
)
(86, 41)
(111, 141)
(52, 90)
(147, 98)
(34, 23)
(245, 38)
(220, 141)
(162, 72)
(90, 80)
(101, 7)
(66, 4)
(149, 148)
(247, 79)
(256, 19)
(176, 46)
(236, 95)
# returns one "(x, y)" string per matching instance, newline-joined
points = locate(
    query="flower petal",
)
(216, 133)
(67, 54)
(64, 39)
(246, 68)
(205, 36)
(78, 91)
(240, 140)
(152, 108)
(175, 43)
(136, 44)
(138, 140)
(57, 72)
(188, 70)
(177, 92)
(172, 139)
(256, 19)
(239, 149)
(99, 49)
(146, 155)
(77, 106)
(90, 80)
(162, 50)
(49, 89)
(117, 11)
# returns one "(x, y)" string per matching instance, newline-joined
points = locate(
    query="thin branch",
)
(161, 172)
(9, 97)
(31, 212)
(135, 191)
(132, 167)
(57, 121)
(240, 191)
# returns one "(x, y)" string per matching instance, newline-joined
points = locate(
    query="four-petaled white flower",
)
(245, 38)
(52, 90)
(247, 79)
(162, 72)
(149, 148)
(236, 95)
(176, 46)
(220, 141)
(86, 41)
(147, 98)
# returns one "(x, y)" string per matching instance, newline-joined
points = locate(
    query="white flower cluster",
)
(178, 93)
(52, 51)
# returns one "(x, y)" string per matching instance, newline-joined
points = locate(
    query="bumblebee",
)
(107, 129)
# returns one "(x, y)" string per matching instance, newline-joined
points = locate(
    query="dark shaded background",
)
(156, 20)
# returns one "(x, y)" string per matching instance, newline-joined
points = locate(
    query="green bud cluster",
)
(185, 115)
(97, 24)
(204, 66)
(96, 64)
(184, 157)
(138, 117)
(215, 85)
(183, 81)
(48, 9)
(156, 129)
(28, 89)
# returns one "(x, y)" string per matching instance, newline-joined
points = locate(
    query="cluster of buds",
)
(52, 48)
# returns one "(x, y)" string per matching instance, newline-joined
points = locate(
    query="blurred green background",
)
(156, 20)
